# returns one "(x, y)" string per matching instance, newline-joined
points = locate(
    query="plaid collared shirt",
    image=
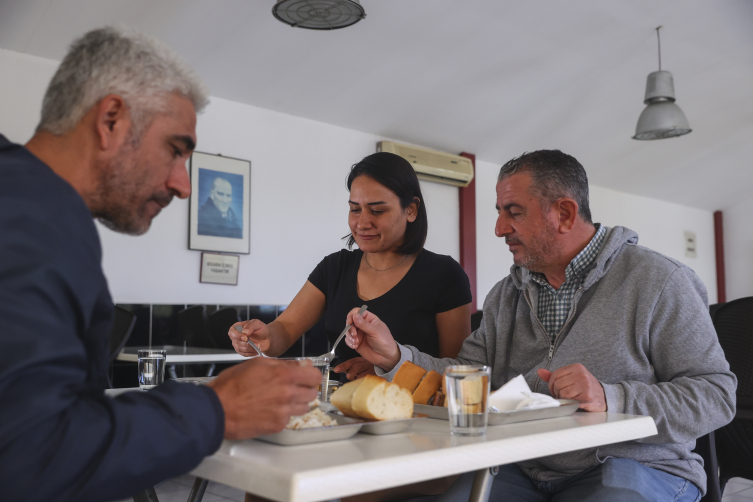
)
(554, 304)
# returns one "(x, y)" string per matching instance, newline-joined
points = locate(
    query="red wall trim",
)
(468, 229)
(721, 286)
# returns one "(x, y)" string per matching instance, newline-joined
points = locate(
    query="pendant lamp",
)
(661, 118)
(319, 14)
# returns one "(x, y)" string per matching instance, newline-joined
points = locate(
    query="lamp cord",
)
(658, 41)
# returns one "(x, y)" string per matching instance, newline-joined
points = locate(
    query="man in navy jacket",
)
(118, 124)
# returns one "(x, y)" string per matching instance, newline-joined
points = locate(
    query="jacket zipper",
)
(552, 343)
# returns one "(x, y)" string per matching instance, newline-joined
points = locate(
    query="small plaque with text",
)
(219, 268)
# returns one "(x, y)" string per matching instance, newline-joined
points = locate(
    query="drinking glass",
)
(467, 394)
(151, 368)
(322, 364)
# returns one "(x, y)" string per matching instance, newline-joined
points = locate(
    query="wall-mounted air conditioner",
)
(431, 165)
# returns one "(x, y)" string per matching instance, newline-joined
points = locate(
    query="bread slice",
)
(428, 386)
(408, 376)
(342, 398)
(438, 399)
(379, 399)
(472, 389)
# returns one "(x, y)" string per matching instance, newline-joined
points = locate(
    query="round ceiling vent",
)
(319, 14)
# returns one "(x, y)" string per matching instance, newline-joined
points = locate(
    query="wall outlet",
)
(690, 244)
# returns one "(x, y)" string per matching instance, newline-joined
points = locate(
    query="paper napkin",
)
(516, 395)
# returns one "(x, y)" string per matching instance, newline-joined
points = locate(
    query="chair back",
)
(219, 324)
(705, 446)
(734, 442)
(123, 322)
(713, 308)
(476, 320)
(193, 327)
(734, 326)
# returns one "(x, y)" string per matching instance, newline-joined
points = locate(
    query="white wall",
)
(493, 258)
(738, 249)
(299, 210)
(298, 199)
(660, 226)
(23, 80)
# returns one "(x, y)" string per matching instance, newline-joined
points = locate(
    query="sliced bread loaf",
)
(373, 397)
(342, 398)
(408, 376)
(378, 399)
(427, 388)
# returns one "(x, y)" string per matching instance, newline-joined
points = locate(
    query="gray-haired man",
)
(118, 123)
(588, 314)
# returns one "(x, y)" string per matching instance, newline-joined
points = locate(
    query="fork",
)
(331, 354)
(253, 345)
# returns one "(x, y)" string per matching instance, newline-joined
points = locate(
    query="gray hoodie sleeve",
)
(473, 351)
(694, 390)
(479, 348)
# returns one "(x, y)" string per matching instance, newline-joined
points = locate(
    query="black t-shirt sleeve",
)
(330, 273)
(318, 277)
(455, 288)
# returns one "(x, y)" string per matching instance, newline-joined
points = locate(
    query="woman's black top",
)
(435, 283)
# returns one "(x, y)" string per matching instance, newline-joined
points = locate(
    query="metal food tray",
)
(390, 426)
(566, 407)
(379, 427)
(438, 412)
(346, 428)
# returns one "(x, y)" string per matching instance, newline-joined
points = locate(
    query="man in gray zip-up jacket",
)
(635, 338)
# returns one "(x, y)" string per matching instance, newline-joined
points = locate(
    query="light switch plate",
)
(690, 244)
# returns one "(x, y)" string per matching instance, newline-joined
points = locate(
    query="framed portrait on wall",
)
(220, 204)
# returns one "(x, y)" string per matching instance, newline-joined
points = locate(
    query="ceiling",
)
(491, 77)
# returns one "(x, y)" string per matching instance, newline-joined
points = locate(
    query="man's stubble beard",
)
(542, 250)
(120, 201)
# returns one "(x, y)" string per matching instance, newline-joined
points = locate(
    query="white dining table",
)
(366, 463)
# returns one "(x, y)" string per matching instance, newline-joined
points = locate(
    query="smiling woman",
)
(423, 297)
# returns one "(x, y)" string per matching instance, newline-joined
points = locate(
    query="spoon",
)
(253, 345)
(331, 354)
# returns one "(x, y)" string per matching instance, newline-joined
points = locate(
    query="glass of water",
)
(151, 368)
(322, 364)
(467, 394)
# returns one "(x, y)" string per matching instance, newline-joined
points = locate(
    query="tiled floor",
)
(177, 490)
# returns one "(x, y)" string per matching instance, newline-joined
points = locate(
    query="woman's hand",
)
(254, 329)
(355, 368)
(372, 339)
